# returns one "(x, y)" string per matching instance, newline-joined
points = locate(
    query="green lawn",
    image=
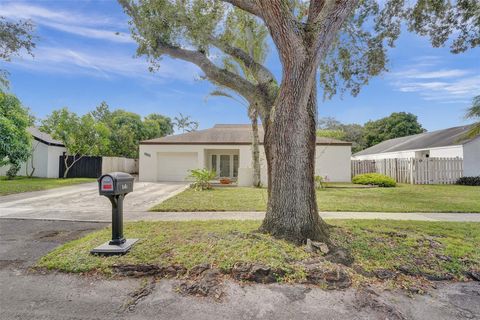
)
(423, 248)
(338, 197)
(23, 184)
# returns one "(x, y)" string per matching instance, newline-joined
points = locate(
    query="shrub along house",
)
(227, 149)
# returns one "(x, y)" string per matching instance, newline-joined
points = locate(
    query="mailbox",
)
(115, 183)
(115, 186)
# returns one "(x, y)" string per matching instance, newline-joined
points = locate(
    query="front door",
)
(225, 165)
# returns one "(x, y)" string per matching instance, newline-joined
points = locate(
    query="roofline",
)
(234, 143)
(48, 143)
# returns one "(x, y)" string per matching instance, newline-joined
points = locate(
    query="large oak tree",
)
(345, 39)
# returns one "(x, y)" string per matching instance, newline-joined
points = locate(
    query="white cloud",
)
(437, 84)
(106, 64)
(91, 26)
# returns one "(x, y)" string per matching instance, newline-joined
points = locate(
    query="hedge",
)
(374, 179)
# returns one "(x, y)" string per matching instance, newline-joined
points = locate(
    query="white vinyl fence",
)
(114, 164)
(414, 171)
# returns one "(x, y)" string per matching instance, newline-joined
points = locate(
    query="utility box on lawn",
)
(115, 186)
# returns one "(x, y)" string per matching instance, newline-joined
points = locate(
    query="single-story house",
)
(446, 143)
(227, 149)
(46, 156)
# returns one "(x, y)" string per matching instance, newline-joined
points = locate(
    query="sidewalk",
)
(229, 215)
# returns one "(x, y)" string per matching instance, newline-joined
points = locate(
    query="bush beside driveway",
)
(336, 197)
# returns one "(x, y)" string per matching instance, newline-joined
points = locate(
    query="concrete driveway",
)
(82, 202)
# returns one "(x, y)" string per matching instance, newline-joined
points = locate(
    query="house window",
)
(235, 166)
(214, 162)
(224, 165)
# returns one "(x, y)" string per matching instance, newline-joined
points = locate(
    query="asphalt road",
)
(31, 295)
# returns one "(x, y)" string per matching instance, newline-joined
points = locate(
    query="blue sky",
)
(85, 55)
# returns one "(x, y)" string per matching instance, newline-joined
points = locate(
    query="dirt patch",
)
(139, 294)
(256, 272)
(367, 298)
(208, 283)
(143, 270)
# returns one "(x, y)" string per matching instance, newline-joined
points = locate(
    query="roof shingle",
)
(440, 138)
(225, 134)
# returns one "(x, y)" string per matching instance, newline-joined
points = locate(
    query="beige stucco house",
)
(226, 149)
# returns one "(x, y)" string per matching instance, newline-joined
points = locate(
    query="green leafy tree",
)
(346, 40)
(82, 136)
(14, 36)
(102, 113)
(126, 130)
(334, 134)
(352, 132)
(185, 123)
(474, 113)
(15, 140)
(156, 126)
(398, 124)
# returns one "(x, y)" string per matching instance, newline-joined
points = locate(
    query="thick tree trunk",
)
(257, 182)
(290, 140)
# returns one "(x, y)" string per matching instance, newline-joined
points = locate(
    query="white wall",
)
(471, 158)
(148, 157)
(119, 164)
(45, 161)
(331, 161)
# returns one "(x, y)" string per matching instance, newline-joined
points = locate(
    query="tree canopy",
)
(15, 140)
(82, 136)
(14, 36)
(398, 124)
(346, 40)
(127, 129)
(474, 113)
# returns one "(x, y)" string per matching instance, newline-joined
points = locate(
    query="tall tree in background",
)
(351, 132)
(15, 140)
(185, 123)
(127, 129)
(156, 126)
(81, 136)
(248, 34)
(474, 113)
(396, 125)
(321, 34)
(14, 36)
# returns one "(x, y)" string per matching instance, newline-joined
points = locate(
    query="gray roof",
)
(44, 137)
(440, 138)
(225, 134)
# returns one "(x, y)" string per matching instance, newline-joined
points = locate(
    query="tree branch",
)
(284, 29)
(314, 10)
(263, 74)
(246, 5)
(213, 72)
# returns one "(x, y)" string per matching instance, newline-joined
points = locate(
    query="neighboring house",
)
(226, 149)
(46, 156)
(446, 143)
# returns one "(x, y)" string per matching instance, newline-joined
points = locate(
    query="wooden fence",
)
(414, 171)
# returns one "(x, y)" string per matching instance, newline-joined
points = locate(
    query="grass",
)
(24, 184)
(337, 197)
(375, 245)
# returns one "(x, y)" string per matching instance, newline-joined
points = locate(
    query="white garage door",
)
(174, 166)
